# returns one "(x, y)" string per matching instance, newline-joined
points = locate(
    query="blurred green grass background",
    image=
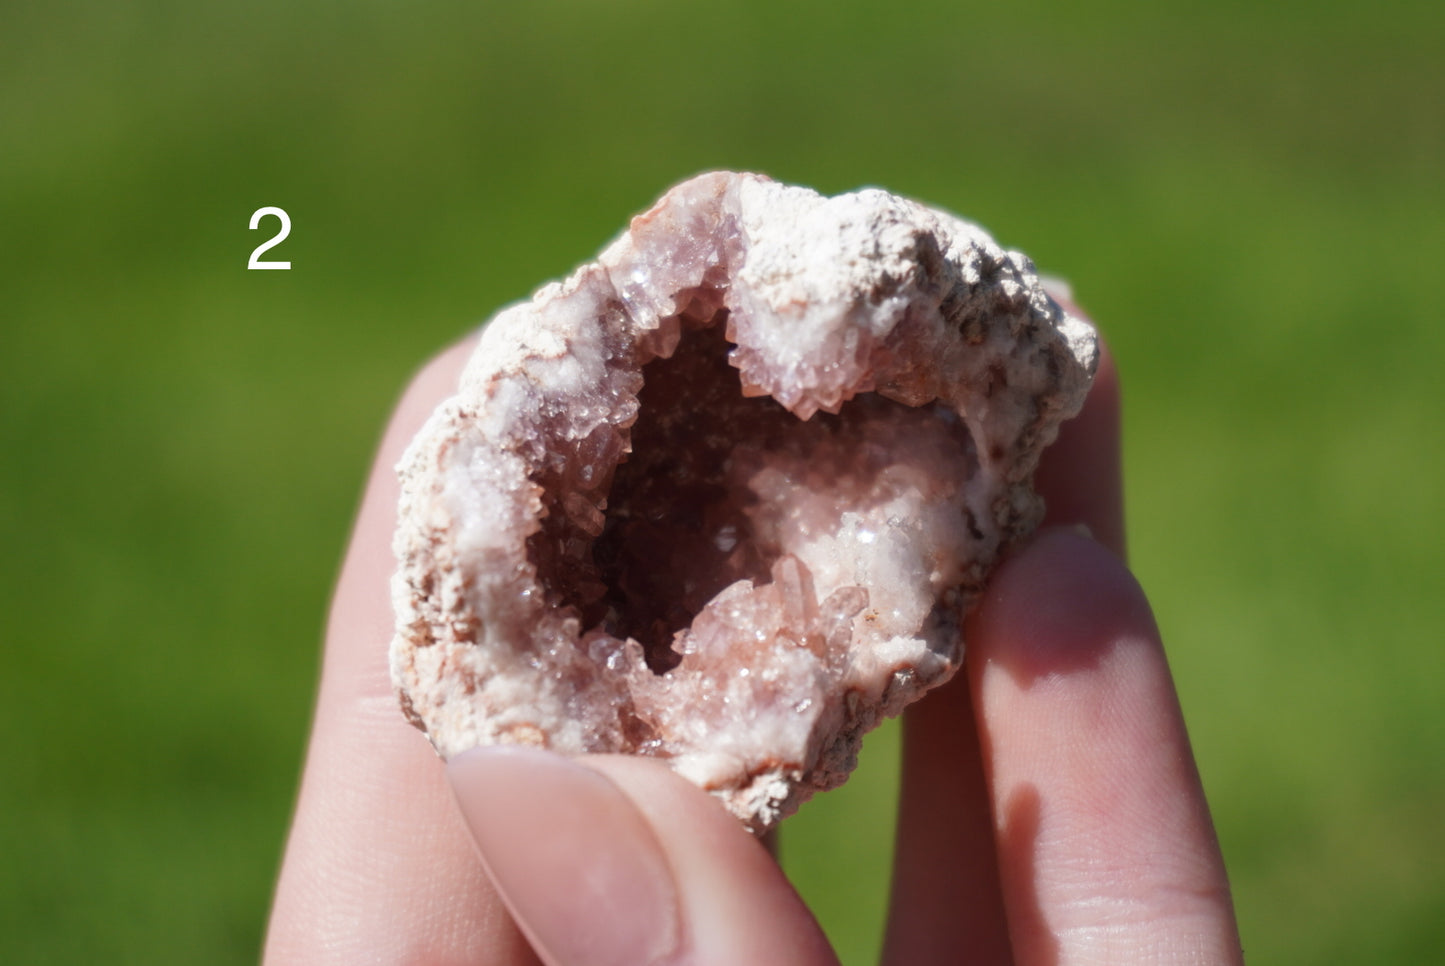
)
(1248, 198)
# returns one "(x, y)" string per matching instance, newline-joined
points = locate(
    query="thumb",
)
(613, 861)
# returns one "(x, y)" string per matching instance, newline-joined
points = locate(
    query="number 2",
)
(275, 240)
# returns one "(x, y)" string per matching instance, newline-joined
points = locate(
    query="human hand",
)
(1050, 810)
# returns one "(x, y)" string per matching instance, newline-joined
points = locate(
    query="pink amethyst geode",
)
(723, 496)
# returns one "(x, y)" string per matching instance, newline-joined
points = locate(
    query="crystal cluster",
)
(723, 496)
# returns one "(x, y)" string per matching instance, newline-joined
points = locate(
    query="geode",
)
(723, 497)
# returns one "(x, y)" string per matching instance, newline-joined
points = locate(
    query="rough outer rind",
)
(508, 485)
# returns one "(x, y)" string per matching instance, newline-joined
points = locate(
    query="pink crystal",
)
(723, 496)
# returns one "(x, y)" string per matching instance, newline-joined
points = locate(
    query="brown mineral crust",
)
(723, 497)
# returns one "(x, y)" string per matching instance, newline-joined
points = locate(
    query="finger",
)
(622, 863)
(945, 898)
(945, 876)
(379, 867)
(1106, 851)
(1081, 476)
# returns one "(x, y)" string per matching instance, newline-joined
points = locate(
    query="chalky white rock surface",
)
(723, 496)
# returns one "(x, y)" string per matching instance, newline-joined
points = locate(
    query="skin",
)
(1050, 809)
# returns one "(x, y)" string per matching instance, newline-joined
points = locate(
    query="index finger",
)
(379, 867)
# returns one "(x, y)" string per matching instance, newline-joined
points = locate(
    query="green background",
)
(1248, 197)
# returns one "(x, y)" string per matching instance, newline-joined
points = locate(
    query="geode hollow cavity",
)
(723, 496)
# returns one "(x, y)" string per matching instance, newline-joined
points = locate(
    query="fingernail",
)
(1057, 286)
(576, 863)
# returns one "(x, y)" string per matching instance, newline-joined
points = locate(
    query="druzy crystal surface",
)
(723, 496)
